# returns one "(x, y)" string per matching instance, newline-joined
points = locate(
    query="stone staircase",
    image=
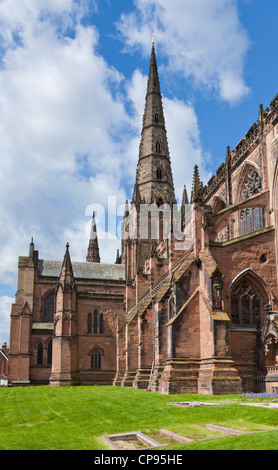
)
(159, 289)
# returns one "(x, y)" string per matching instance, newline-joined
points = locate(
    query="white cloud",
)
(184, 144)
(66, 138)
(5, 311)
(201, 39)
(58, 122)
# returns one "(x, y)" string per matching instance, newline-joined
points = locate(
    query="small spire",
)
(118, 258)
(228, 155)
(66, 275)
(31, 248)
(261, 114)
(184, 197)
(93, 249)
(136, 200)
(126, 210)
(197, 187)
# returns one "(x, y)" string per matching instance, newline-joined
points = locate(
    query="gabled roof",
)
(82, 270)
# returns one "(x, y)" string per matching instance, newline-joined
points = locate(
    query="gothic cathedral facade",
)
(199, 316)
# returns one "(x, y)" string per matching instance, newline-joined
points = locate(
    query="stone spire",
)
(184, 196)
(184, 210)
(154, 181)
(66, 275)
(93, 249)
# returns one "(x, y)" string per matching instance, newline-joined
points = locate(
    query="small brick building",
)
(187, 311)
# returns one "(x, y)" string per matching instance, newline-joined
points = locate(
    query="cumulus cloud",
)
(62, 128)
(201, 39)
(5, 311)
(69, 135)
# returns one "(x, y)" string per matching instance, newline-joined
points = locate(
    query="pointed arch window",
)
(95, 321)
(49, 308)
(101, 324)
(40, 354)
(246, 305)
(157, 147)
(156, 118)
(89, 323)
(96, 359)
(159, 173)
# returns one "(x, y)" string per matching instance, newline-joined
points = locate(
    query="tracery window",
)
(96, 359)
(245, 305)
(252, 184)
(48, 308)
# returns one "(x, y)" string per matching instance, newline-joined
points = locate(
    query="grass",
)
(75, 418)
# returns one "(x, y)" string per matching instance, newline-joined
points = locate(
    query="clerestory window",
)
(49, 308)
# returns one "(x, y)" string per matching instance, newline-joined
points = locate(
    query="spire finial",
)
(152, 39)
(197, 187)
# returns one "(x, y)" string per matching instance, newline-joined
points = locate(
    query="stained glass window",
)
(245, 305)
(48, 308)
(252, 219)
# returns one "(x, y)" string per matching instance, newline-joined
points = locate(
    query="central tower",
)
(154, 189)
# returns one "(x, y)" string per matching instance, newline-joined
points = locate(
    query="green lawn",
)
(46, 418)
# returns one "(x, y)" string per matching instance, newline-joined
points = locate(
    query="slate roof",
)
(84, 270)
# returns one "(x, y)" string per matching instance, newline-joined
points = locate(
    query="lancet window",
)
(95, 321)
(96, 357)
(49, 352)
(89, 323)
(48, 308)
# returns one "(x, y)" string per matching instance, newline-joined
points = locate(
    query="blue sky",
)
(72, 87)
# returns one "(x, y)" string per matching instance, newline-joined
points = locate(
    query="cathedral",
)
(191, 303)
